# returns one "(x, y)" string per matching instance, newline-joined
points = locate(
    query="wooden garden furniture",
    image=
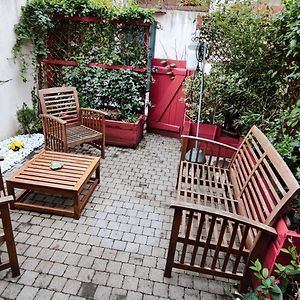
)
(66, 125)
(6, 234)
(227, 206)
(2, 189)
(69, 181)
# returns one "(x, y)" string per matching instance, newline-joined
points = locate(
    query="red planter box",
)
(273, 254)
(207, 131)
(124, 134)
(284, 235)
(211, 132)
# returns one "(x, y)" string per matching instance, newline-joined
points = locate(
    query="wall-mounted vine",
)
(103, 41)
(71, 37)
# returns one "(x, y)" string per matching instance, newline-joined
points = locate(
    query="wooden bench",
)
(227, 206)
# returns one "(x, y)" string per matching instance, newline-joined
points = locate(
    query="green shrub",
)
(29, 119)
(118, 91)
(257, 79)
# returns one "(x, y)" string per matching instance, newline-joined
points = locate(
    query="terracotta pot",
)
(119, 133)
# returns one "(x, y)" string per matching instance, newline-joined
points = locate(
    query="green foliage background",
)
(119, 90)
(259, 82)
(105, 42)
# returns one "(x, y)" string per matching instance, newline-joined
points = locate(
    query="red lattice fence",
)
(92, 41)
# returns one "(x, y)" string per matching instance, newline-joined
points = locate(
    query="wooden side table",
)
(69, 181)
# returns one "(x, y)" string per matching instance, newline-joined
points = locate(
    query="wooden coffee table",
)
(69, 181)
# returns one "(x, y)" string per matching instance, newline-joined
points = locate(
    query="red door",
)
(167, 113)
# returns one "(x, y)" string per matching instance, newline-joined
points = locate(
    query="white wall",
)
(177, 28)
(15, 92)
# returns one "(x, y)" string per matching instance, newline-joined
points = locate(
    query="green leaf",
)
(257, 265)
(265, 272)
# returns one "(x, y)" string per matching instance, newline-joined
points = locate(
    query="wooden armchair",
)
(66, 125)
(6, 234)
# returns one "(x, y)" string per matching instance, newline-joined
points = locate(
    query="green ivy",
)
(119, 92)
(38, 19)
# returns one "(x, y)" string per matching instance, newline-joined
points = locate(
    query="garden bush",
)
(256, 81)
(119, 92)
(85, 47)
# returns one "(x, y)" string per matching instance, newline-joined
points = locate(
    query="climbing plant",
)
(119, 92)
(104, 40)
(85, 36)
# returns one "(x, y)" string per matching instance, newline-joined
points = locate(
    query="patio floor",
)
(117, 249)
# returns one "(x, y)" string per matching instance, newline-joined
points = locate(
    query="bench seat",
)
(227, 206)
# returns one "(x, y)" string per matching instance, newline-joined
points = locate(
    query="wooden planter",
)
(207, 131)
(283, 240)
(274, 254)
(211, 132)
(119, 133)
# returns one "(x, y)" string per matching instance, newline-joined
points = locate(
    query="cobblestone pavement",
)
(117, 249)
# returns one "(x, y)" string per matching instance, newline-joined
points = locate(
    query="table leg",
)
(76, 206)
(97, 173)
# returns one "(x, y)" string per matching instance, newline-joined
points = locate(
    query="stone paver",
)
(117, 249)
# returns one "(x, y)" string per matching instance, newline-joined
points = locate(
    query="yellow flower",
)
(16, 145)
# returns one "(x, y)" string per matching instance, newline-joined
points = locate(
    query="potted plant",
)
(209, 127)
(102, 49)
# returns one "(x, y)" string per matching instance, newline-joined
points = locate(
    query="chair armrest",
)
(94, 119)
(56, 119)
(55, 133)
(196, 208)
(6, 200)
(95, 111)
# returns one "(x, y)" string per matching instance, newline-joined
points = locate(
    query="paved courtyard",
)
(117, 249)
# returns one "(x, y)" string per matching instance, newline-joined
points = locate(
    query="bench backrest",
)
(61, 102)
(262, 181)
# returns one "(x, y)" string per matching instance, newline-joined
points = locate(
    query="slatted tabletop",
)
(69, 181)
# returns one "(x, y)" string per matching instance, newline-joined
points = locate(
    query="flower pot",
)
(210, 132)
(274, 254)
(119, 133)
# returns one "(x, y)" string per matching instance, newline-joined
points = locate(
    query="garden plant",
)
(282, 285)
(255, 77)
(102, 49)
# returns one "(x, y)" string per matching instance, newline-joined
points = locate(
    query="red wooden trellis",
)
(51, 67)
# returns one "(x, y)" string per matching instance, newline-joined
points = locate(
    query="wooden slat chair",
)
(227, 208)
(6, 234)
(66, 125)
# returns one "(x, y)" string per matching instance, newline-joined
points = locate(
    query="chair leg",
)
(103, 148)
(173, 241)
(10, 242)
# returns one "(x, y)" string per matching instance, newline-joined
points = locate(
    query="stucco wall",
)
(175, 33)
(14, 92)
